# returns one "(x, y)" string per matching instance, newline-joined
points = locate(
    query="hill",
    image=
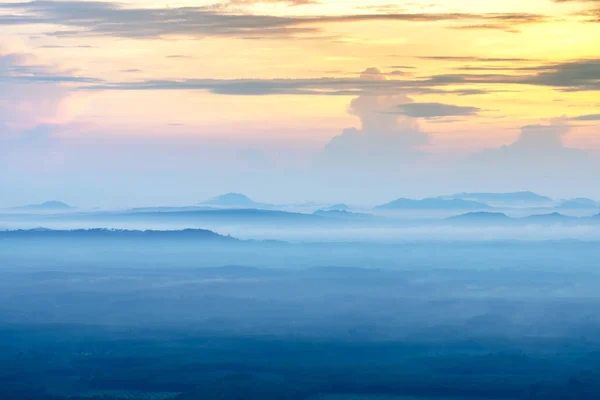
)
(337, 207)
(551, 218)
(508, 199)
(221, 215)
(481, 217)
(433, 204)
(486, 219)
(53, 205)
(342, 214)
(578, 203)
(234, 200)
(42, 233)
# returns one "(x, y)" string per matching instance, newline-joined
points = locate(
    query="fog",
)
(280, 305)
(305, 225)
(212, 283)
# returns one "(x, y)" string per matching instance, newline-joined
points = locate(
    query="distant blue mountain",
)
(337, 207)
(481, 217)
(342, 214)
(578, 203)
(433, 204)
(114, 233)
(550, 218)
(511, 198)
(487, 218)
(228, 215)
(52, 205)
(234, 200)
(172, 209)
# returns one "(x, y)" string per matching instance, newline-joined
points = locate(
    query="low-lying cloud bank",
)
(384, 158)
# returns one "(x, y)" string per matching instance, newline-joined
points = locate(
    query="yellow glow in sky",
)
(219, 44)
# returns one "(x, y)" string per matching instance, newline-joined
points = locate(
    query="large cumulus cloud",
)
(384, 139)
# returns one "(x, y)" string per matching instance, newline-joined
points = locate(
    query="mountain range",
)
(433, 204)
(52, 205)
(237, 205)
(504, 199)
(234, 200)
(578, 203)
(494, 218)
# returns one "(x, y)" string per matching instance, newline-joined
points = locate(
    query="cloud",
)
(589, 117)
(537, 160)
(383, 142)
(66, 47)
(240, 87)
(25, 100)
(435, 110)
(539, 145)
(98, 18)
(291, 3)
(575, 75)
(21, 68)
(255, 159)
(462, 59)
(34, 98)
(542, 137)
(592, 13)
(389, 149)
(578, 75)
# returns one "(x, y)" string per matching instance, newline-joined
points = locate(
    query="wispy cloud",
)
(292, 3)
(435, 110)
(461, 59)
(66, 47)
(32, 94)
(577, 75)
(588, 117)
(97, 18)
(591, 11)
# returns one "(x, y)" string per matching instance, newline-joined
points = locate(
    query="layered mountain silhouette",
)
(579, 203)
(550, 218)
(481, 217)
(53, 205)
(343, 214)
(508, 199)
(491, 219)
(115, 233)
(234, 200)
(433, 204)
(337, 207)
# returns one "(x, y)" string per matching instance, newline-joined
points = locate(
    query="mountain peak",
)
(509, 198)
(52, 205)
(481, 216)
(337, 207)
(579, 203)
(233, 199)
(433, 204)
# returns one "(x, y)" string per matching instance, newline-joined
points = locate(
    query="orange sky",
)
(342, 49)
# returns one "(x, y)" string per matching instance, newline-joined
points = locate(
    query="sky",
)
(119, 104)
